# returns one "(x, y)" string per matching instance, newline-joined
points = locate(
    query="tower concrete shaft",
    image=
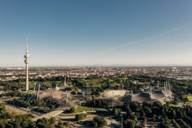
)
(26, 60)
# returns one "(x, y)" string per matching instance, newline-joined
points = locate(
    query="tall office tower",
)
(26, 60)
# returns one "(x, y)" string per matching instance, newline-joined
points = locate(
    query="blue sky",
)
(96, 32)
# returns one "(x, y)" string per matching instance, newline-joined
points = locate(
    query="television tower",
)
(26, 61)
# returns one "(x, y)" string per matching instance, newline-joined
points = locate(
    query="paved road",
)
(49, 115)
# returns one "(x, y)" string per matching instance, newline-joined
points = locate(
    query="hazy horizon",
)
(83, 33)
(96, 65)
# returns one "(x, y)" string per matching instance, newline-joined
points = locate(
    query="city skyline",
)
(78, 33)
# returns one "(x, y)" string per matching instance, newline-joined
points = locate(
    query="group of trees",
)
(24, 121)
(181, 89)
(101, 103)
(166, 114)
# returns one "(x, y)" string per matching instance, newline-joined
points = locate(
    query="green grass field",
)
(83, 109)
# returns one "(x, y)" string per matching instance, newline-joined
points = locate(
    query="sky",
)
(96, 32)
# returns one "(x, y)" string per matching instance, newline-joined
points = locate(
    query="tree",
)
(44, 123)
(59, 125)
(129, 124)
(100, 121)
(116, 112)
(80, 117)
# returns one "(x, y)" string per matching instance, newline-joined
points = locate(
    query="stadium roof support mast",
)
(26, 61)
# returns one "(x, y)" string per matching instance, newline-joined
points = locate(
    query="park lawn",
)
(94, 82)
(80, 109)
